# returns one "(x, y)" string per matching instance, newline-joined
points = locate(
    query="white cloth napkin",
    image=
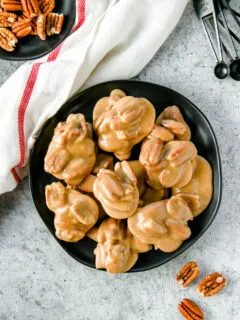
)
(110, 40)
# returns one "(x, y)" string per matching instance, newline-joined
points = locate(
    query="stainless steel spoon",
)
(205, 10)
(235, 63)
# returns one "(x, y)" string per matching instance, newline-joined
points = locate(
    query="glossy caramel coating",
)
(140, 174)
(71, 153)
(103, 161)
(117, 190)
(75, 213)
(87, 184)
(167, 165)
(152, 195)
(172, 121)
(162, 223)
(117, 249)
(198, 192)
(121, 122)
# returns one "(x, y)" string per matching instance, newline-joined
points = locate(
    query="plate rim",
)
(182, 249)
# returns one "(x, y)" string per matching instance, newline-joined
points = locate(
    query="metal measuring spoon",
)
(235, 63)
(221, 69)
(205, 10)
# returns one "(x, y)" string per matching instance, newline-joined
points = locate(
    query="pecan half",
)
(187, 274)
(21, 18)
(54, 23)
(190, 310)
(34, 27)
(41, 26)
(7, 19)
(12, 5)
(30, 8)
(46, 6)
(212, 284)
(22, 28)
(33, 23)
(8, 40)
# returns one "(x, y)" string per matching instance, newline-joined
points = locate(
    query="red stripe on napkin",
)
(29, 89)
(15, 175)
(22, 108)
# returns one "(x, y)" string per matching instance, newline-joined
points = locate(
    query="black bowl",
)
(32, 47)
(161, 97)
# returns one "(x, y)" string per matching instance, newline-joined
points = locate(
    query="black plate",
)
(161, 97)
(31, 47)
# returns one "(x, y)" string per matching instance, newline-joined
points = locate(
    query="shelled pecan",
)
(41, 26)
(34, 27)
(22, 28)
(54, 23)
(33, 23)
(30, 8)
(8, 40)
(187, 274)
(190, 310)
(12, 5)
(7, 19)
(212, 284)
(46, 6)
(21, 18)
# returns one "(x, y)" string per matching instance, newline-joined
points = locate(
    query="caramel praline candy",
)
(198, 192)
(140, 174)
(172, 121)
(117, 249)
(152, 195)
(117, 190)
(162, 223)
(75, 213)
(168, 165)
(71, 153)
(106, 103)
(121, 122)
(103, 161)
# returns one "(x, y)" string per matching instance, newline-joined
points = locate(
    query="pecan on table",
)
(7, 19)
(30, 8)
(22, 28)
(8, 40)
(12, 5)
(187, 274)
(212, 284)
(190, 310)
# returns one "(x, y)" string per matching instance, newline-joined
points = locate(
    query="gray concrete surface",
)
(39, 281)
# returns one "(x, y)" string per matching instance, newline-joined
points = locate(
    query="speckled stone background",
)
(39, 281)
